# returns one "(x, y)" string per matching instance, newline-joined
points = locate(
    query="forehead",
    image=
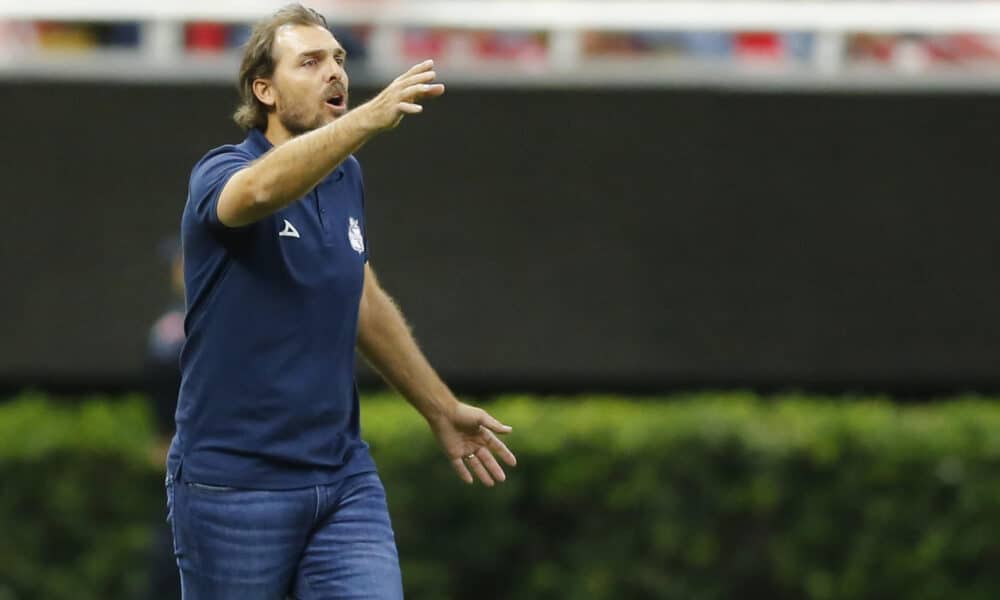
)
(291, 40)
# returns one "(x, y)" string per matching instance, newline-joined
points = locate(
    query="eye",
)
(340, 60)
(309, 62)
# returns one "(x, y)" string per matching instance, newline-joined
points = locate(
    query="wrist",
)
(365, 120)
(440, 411)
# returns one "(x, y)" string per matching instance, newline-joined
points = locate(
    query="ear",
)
(264, 92)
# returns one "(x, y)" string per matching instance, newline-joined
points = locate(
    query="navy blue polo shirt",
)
(268, 398)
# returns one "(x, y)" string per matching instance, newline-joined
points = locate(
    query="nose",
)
(335, 72)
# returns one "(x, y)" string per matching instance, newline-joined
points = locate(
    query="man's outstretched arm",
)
(287, 172)
(467, 434)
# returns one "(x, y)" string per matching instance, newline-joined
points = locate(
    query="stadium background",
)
(727, 215)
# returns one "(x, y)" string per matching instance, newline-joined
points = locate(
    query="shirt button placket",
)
(320, 211)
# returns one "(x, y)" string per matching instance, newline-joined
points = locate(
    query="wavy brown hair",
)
(258, 60)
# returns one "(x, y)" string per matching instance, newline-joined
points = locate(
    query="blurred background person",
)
(163, 348)
(162, 381)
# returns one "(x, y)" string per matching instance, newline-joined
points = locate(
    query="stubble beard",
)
(296, 125)
(293, 119)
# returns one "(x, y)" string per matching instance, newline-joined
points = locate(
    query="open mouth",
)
(336, 101)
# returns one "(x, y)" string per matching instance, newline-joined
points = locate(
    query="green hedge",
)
(707, 496)
(78, 494)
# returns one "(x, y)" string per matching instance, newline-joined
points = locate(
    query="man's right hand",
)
(402, 97)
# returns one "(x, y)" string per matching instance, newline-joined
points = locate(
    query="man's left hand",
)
(469, 438)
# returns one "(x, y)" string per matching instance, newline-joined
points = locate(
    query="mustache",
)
(337, 89)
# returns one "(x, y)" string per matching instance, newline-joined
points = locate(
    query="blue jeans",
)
(322, 542)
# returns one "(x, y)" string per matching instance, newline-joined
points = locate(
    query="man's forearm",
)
(290, 170)
(387, 343)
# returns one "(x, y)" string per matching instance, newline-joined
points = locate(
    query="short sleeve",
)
(208, 178)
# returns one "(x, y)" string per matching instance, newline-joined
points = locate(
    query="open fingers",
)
(422, 90)
(463, 473)
(490, 423)
(476, 464)
(494, 444)
(411, 95)
(491, 465)
(422, 77)
(426, 65)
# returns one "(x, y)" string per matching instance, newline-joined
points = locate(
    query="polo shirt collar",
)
(257, 142)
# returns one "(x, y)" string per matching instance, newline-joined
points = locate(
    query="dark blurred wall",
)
(557, 238)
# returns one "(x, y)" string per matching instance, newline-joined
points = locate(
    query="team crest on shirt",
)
(354, 235)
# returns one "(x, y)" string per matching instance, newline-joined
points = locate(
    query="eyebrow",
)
(338, 51)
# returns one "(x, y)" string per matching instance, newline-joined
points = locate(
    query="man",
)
(270, 490)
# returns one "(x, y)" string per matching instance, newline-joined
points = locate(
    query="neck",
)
(275, 132)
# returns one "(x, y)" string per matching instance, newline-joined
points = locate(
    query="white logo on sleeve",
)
(354, 235)
(288, 231)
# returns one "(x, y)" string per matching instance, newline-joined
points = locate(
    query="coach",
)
(271, 491)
